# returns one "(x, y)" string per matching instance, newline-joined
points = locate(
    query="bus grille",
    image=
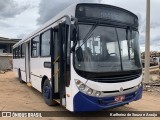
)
(117, 78)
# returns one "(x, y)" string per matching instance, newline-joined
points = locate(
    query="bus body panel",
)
(23, 70)
(38, 71)
(113, 86)
(35, 73)
(84, 102)
(72, 89)
(19, 64)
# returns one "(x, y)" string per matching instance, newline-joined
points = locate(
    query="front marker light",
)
(82, 87)
(89, 91)
(98, 93)
(78, 82)
(140, 85)
(137, 87)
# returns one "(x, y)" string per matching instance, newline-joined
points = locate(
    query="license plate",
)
(119, 98)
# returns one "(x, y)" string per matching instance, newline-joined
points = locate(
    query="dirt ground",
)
(15, 96)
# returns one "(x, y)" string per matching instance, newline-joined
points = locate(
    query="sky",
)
(21, 17)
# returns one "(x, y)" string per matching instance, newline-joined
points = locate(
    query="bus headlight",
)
(98, 93)
(82, 87)
(87, 90)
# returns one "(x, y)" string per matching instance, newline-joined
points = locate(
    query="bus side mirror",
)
(73, 37)
(74, 29)
(79, 54)
(73, 33)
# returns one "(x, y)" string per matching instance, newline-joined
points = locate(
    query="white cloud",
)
(10, 8)
(22, 23)
(49, 8)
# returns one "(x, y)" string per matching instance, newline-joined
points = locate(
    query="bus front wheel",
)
(47, 93)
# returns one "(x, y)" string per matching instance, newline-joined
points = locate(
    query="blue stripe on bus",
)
(84, 102)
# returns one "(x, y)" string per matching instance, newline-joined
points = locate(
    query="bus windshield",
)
(106, 49)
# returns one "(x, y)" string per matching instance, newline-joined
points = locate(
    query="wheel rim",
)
(47, 92)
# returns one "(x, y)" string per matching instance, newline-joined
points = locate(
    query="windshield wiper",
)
(89, 34)
(128, 38)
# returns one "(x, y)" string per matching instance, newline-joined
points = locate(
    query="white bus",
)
(86, 58)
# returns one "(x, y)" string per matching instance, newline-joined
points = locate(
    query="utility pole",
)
(147, 45)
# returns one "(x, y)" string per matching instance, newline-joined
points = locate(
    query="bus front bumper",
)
(83, 102)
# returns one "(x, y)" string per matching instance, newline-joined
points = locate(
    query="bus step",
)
(29, 84)
(58, 101)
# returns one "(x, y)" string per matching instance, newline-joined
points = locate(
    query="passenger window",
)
(19, 51)
(45, 44)
(23, 50)
(35, 47)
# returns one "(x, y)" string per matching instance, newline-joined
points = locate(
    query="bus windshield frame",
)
(98, 44)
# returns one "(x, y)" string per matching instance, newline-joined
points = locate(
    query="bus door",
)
(61, 71)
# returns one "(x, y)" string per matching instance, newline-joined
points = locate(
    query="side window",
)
(45, 44)
(16, 53)
(23, 50)
(19, 51)
(35, 47)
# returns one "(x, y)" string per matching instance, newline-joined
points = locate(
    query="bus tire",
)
(20, 76)
(47, 93)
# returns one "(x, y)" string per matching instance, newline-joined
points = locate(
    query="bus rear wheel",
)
(47, 93)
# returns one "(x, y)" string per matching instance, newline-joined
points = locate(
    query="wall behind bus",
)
(5, 62)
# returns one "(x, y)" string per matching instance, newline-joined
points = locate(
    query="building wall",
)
(6, 52)
(5, 62)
